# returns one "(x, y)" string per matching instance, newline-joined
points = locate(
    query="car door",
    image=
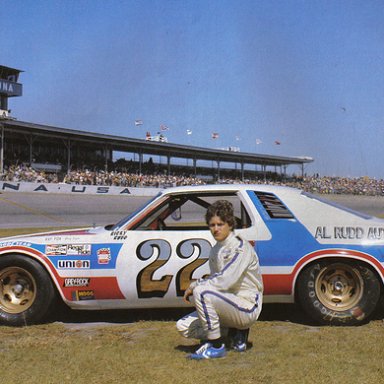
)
(168, 247)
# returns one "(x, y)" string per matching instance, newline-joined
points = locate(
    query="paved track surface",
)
(371, 205)
(26, 210)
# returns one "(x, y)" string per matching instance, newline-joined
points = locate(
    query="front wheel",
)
(338, 292)
(26, 291)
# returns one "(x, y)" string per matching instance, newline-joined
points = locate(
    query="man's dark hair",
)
(222, 209)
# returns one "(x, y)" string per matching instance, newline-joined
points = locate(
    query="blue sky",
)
(309, 74)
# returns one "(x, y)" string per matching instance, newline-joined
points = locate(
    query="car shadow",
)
(285, 312)
(271, 312)
(291, 313)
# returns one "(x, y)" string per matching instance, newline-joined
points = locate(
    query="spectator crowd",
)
(87, 177)
(315, 184)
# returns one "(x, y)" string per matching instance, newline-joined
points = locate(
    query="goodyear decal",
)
(15, 243)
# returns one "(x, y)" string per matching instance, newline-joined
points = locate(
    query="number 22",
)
(147, 286)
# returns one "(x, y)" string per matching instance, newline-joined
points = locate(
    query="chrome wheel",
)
(17, 290)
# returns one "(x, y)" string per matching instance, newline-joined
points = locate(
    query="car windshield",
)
(127, 218)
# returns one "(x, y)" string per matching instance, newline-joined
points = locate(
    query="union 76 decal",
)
(147, 286)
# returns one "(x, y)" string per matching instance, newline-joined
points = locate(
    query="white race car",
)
(327, 258)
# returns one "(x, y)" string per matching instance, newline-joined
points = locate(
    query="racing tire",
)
(26, 291)
(338, 292)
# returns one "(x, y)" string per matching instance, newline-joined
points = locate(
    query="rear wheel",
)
(26, 291)
(338, 292)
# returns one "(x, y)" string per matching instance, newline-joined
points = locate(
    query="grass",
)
(143, 346)
(150, 351)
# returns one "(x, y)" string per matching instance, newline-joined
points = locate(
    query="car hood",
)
(71, 235)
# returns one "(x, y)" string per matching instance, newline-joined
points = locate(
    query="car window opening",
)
(273, 206)
(187, 212)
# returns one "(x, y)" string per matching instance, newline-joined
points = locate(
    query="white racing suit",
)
(231, 297)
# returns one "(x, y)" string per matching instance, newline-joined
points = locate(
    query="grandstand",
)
(60, 150)
(55, 149)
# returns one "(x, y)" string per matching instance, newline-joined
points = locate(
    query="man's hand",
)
(188, 292)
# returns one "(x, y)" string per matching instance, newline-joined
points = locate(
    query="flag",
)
(189, 132)
(277, 142)
(258, 141)
(163, 127)
(138, 122)
(215, 135)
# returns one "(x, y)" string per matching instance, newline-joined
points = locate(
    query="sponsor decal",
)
(350, 233)
(14, 243)
(65, 237)
(74, 264)
(77, 282)
(79, 249)
(50, 238)
(227, 254)
(55, 250)
(83, 295)
(104, 255)
(68, 249)
(119, 234)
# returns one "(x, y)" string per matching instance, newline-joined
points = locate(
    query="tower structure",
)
(9, 87)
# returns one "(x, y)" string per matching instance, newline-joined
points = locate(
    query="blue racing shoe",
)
(207, 351)
(238, 339)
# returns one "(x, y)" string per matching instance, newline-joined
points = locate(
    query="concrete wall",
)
(44, 188)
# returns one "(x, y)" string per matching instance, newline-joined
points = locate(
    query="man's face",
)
(219, 229)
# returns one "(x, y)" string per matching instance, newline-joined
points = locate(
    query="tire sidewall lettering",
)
(313, 306)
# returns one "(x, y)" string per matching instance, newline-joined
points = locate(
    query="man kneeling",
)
(229, 300)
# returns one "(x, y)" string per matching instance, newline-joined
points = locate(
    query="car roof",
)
(231, 188)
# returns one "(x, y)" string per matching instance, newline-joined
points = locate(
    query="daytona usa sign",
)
(75, 189)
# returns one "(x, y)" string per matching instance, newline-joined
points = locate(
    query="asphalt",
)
(28, 210)
(371, 205)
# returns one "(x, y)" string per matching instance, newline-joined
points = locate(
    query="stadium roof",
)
(142, 146)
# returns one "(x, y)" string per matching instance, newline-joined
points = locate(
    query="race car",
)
(326, 257)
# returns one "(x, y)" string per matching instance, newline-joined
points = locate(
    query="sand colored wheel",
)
(338, 292)
(26, 291)
(17, 290)
(339, 287)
